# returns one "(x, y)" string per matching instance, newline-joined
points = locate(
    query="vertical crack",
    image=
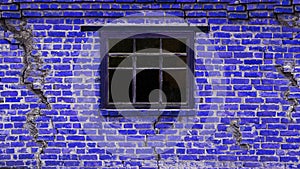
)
(155, 123)
(235, 129)
(33, 130)
(146, 141)
(157, 157)
(287, 74)
(53, 127)
(33, 77)
(31, 126)
(156, 154)
(293, 104)
(43, 146)
(293, 82)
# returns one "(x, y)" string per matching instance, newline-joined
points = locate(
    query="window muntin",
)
(152, 65)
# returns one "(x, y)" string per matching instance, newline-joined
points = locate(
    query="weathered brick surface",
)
(246, 73)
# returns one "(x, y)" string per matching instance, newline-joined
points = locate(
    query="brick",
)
(265, 152)
(283, 10)
(263, 35)
(269, 133)
(237, 15)
(217, 21)
(217, 14)
(268, 158)
(76, 138)
(32, 13)
(236, 48)
(235, 8)
(196, 14)
(222, 35)
(227, 158)
(11, 15)
(252, 61)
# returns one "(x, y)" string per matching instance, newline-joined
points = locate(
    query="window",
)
(148, 70)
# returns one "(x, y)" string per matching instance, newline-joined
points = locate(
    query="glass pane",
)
(120, 46)
(120, 61)
(174, 85)
(147, 61)
(174, 61)
(173, 45)
(146, 82)
(121, 93)
(147, 45)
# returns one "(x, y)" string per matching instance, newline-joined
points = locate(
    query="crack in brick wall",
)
(288, 15)
(157, 157)
(234, 10)
(289, 20)
(236, 132)
(32, 127)
(288, 74)
(32, 76)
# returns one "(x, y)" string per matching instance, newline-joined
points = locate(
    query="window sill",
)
(148, 112)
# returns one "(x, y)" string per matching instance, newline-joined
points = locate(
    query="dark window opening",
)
(157, 68)
(146, 82)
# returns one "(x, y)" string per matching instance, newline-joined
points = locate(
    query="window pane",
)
(147, 45)
(167, 70)
(173, 45)
(114, 61)
(121, 93)
(147, 61)
(121, 46)
(174, 61)
(174, 85)
(147, 81)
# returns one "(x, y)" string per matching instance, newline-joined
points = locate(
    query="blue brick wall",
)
(246, 94)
